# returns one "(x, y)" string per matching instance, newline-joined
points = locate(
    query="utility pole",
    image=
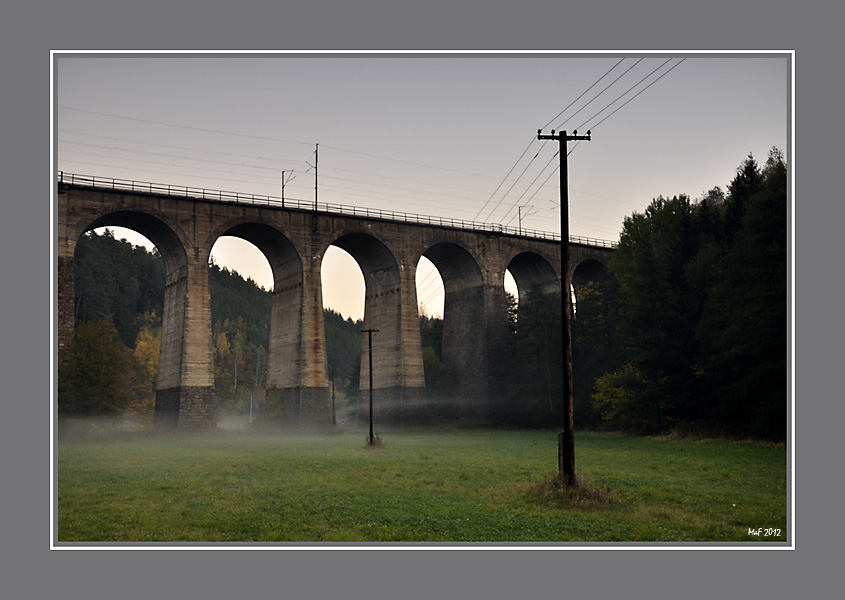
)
(519, 212)
(316, 164)
(334, 418)
(370, 333)
(566, 439)
(257, 369)
(284, 181)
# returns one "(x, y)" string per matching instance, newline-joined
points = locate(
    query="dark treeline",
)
(684, 330)
(119, 295)
(115, 281)
(687, 329)
(531, 382)
(438, 378)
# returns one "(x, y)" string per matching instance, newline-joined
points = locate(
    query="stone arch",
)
(587, 270)
(531, 270)
(170, 242)
(371, 253)
(390, 305)
(287, 353)
(459, 267)
(587, 260)
(464, 318)
(184, 385)
(584, 272)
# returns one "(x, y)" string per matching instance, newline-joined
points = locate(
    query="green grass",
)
(432, 486)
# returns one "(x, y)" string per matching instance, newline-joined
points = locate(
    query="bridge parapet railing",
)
(588, 241)
(297, 204)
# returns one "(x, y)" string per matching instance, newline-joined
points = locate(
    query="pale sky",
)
(432, 135)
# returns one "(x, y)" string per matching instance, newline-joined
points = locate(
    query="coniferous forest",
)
(685, 329)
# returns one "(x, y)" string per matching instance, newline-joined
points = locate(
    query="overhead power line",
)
(593, 99)
(377, 189)
(533, 139)
(171, 146)
(518, 200)
(635, 95)
(582, 94)
(141, 170)
(605, 108)
(453, 198)
(504, 179)
(167, 155)
(517, 180)
(223, 132)
(407, 162)
(219, 131)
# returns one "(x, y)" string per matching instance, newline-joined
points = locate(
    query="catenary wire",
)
(517, 180)
(454, 200)
(272, 139)
(263, 168)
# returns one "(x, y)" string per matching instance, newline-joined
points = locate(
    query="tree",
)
(629, 401)
(115, 281)
(595, 345)
(123, 285)
(657, 304)
(696, 313)
(741, 189)
(431, 334)
(438, 378)
(343, 349)
(238, 347)
(533, 377)
(144, 365)
(743, 326)
(96, 381)
(222, 348)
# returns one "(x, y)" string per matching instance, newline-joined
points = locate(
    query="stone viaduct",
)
(184, 223)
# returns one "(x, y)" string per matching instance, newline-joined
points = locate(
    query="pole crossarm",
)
(563, 137)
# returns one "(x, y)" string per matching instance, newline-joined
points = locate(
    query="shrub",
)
(629, 401)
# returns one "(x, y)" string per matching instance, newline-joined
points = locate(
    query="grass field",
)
(430, 486)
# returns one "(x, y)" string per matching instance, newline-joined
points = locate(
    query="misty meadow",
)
(424, 486)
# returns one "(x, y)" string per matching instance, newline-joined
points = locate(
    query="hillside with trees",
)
(119, 295)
